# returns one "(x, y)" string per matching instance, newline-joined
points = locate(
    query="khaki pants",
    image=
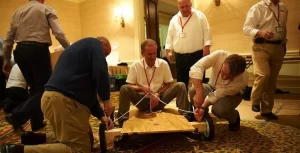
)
(70, 122)
(127, 95)
(267, 62)
(224, 107)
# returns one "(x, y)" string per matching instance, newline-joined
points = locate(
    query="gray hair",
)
(147, 42)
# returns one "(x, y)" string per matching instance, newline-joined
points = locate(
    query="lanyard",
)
(276, 17)
(218, 78)
(149, 82)
(185, 22)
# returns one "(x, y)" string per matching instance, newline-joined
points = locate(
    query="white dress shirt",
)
(161, 75)
(263, 16)
(16, 78)
(197, 33)
(222, 87)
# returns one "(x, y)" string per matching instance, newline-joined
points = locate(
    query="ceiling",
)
(164, 6)
(167, 8)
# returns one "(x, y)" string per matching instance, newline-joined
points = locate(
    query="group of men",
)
(79, 82)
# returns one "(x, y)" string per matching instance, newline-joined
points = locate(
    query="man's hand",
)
(108, 122)
(198, 113)
(6, 68)
(146, 90)
(198, 99)
(206, 50)
(265, 34)
(169, 55)
(154, 100)
(108, 108)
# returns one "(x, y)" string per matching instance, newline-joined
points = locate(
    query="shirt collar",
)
(179, 13)
(156, 64)
(268, 2)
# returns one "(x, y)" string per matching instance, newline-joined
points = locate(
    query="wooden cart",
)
(166, 121)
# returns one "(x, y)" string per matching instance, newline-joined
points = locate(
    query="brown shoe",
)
(12, 148)
(31, 138)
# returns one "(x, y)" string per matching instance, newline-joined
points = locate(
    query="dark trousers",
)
(34, 62)
(183, 64)
(15, 96)
(2, 81)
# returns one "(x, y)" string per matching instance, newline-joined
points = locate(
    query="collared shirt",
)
(197, 33)
(262, 16)
(32, 22)
(161, 75)
(16, 78)
(222, 87)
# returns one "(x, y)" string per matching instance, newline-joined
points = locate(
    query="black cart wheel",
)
(103, 146)
(209, 134)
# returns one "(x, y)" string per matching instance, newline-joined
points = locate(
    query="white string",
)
(150, 107)
(129, 110)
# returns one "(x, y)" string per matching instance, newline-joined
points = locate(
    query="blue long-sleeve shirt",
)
(81, 73)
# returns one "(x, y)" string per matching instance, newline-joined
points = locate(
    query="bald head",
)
(185, 7)
(106, 45)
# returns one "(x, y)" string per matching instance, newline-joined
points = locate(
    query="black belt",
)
(32, 43)
(262, 41)
(191, 54)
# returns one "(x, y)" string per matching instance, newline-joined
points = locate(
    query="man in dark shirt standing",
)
(30, 29)
(70, 98)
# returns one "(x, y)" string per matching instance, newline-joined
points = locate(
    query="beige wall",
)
(98, 19)
(67, 12)
(227, 20)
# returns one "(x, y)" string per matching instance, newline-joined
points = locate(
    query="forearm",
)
(164, 88)
(136, 88)
(197, 85)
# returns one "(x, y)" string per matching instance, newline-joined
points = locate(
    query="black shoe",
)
(11, 148)
(18, 129)
(38, 127)
(235, 126)
(270, 116)
(255, 108)
(31, 138)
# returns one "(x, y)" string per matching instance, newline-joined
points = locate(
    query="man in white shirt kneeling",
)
(223, 91)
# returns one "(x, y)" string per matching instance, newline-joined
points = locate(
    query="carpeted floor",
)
(260, 137)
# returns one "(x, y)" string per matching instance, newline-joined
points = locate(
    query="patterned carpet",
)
(260, 137)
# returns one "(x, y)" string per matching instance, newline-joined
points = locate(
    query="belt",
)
(262, 41)
(32, 43)
(191, 54)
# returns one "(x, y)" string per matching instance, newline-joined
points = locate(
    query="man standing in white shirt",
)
(223, 91)
(152, 76)
(266, 25)
(190, 38)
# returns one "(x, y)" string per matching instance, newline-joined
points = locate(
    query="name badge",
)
(182, 35)
(279, 29)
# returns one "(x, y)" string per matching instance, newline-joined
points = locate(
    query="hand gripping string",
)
(166, 104)
(129, 110)
(150, 106)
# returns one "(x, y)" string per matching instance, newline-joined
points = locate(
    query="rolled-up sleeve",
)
(197, 70)
(206, 31)
(230, 90)
(56, 28)
(170, 35)
(9, 40)
(252, 20)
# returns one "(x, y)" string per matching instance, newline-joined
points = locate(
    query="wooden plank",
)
(199, 126)
(111, 134)
(162, 122)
